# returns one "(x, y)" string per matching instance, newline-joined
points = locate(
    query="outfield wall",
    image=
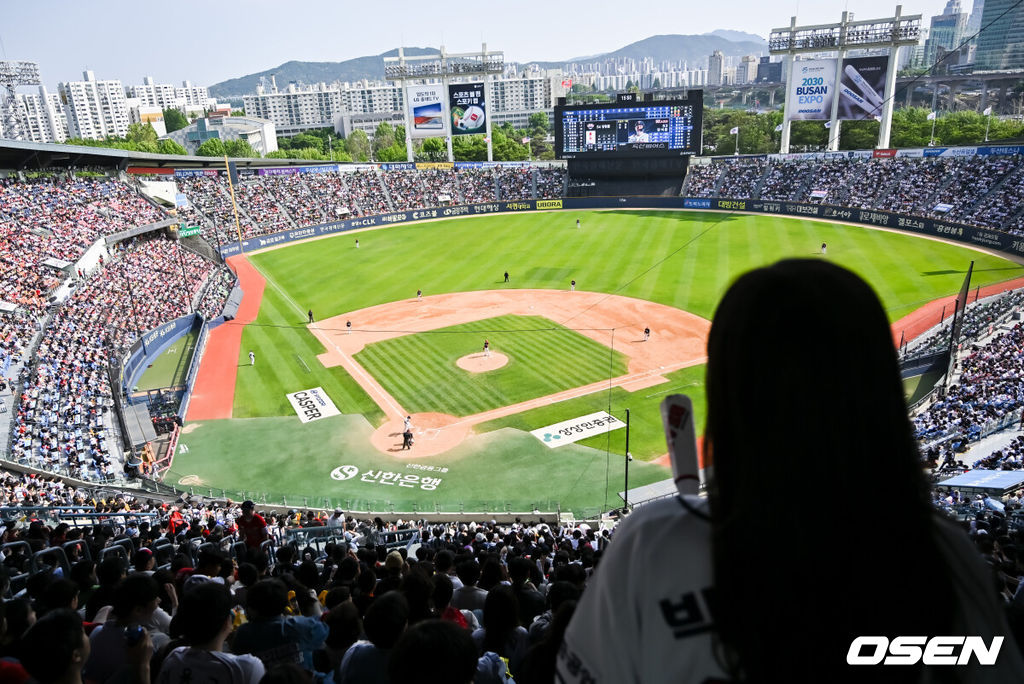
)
(1011, 245)
(151, 345)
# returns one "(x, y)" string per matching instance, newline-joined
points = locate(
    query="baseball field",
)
(555, 352)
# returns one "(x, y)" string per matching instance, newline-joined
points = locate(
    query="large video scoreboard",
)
(630, 129)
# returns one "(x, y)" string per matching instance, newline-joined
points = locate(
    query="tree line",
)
(911, 128)
(757, 135)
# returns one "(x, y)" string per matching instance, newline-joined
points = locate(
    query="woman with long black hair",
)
(817, 528)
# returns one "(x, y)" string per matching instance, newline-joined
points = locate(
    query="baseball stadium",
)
(467, 371)
(277, 356)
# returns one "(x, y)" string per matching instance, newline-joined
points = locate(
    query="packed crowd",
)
(72, 213)
(514, 183)
(550, 182)
(62, 422)
(409, 189)
(978, 321)
(216, 292)
(273, 203)
(225, 586)
(989, 388)
(986, 191)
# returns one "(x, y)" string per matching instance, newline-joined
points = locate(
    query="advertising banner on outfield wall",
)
(968, 234)
(861, 87)
(426, 110)
(467, 107)
(312, 404)
(812, 85)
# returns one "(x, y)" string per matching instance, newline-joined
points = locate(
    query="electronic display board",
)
(625, 129)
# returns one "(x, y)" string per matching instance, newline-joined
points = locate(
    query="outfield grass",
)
(646, 434)
(682, 259)
(170, 368)
(286, 362)
(543, 358)
(501, 470)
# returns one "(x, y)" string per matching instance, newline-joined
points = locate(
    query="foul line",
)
(277, 287)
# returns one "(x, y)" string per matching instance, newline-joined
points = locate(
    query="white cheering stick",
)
(862, 85)
(681, 438)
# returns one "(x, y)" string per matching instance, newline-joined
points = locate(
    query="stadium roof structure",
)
(20, 155)
(993, 480)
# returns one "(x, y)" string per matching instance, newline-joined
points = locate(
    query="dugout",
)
(995, 483)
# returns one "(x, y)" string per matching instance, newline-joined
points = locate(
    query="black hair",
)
(203, 610)
(60, 593)
(248, 574)
(267, 598)
(468, 572)
(501, 617)
(443, 591)
(803, 389)
(386, 619)
(450, 648)
(135, 591)
(110, 570)
(48, 647)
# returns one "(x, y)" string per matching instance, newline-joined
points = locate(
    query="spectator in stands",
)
(252, 528)
(831, 578)
(114, 642)
(56, 648)
(451, 651)
(501, 632)
(205, 620)
(272, 636)
(469, 596)
(366, 662)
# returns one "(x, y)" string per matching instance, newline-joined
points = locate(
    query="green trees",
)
(910, 128)
(241, 149)
(211, 148)
(174, 120)
(357, 144)
(432, 150)
(168, 146)
(387, 146)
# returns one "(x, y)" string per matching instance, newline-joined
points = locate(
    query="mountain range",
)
(693, 49)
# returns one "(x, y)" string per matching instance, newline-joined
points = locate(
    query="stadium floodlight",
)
(12, 75)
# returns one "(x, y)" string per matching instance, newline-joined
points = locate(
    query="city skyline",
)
(209, 55)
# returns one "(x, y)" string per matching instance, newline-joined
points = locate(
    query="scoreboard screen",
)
(633, 129)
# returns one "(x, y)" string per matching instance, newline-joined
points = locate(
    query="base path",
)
(678, 340)
(214, 392)
(928, 316)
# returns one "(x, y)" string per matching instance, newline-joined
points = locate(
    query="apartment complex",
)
(296, 108)
(43, 116)
(95, 109)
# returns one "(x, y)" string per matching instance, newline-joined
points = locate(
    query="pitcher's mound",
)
(478, 363)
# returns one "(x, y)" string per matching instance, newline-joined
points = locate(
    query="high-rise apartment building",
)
(152, 94)
(43, 117)
(95, 109)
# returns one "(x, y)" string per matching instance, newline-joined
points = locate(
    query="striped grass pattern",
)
(419, 370)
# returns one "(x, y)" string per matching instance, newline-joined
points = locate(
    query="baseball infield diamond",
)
(417, 368)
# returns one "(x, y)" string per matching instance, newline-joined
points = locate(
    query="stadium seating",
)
(982, 191)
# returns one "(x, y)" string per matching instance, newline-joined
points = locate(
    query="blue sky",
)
(207, 42)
